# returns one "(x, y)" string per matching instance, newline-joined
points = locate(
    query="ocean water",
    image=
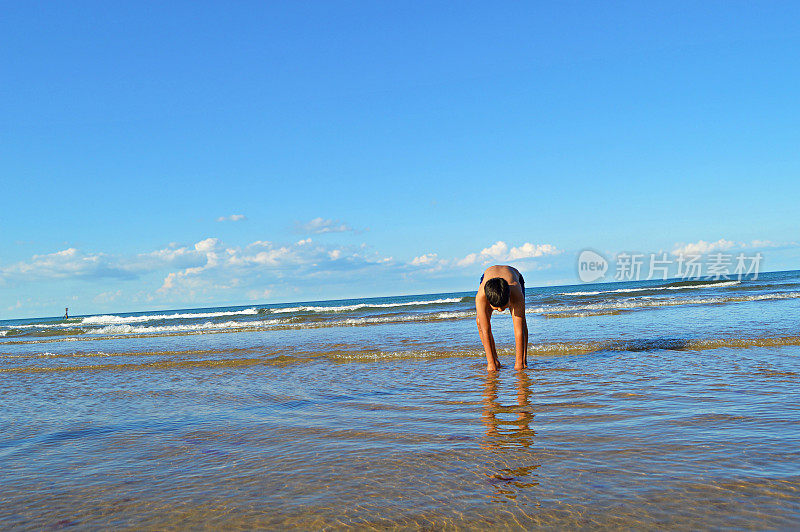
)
(646, 404)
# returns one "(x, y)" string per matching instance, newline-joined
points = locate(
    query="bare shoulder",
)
(482, 307)
(480, 298)
(517, 302)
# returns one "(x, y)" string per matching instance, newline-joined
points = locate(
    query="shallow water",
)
(682, 415)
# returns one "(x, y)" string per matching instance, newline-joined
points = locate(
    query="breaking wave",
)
(359, 306)
(285, 323)
(109, 319)
(637, 303)
(682, 285)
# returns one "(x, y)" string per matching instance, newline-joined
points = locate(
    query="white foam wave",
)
(419, 317)
(358, 306)
(207, 326)
(43, 326)
(633, 303)
(110, 319)
(124, 329)
(649, 289)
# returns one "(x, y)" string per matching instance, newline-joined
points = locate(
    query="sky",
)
(161, 155)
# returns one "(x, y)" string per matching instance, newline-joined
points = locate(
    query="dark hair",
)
(496, 291)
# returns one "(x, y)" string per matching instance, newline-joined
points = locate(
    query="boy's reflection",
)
(505, 435)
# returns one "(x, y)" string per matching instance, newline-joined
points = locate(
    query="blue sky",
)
(412, 143)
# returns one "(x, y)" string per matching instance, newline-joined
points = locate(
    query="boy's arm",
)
(520, 334)
(483, 320)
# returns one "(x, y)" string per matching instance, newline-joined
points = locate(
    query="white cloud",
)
(200, 268)
(262, 258)
(701, 247)
(500, 252)
(430, 263)
(208, 267)
(206, 245)
(268, 257)
(232, 218)
(470, 259)
(321, 225)
(771, 244)
(425, 260)
(528, 251)
(168, 255)
(67, 263)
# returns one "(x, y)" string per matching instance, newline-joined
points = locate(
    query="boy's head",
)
(496, 291)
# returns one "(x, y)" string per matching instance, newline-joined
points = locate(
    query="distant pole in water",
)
(66, 313)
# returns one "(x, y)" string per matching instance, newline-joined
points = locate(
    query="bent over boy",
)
(502, 287)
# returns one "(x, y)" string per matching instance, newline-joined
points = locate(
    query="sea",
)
(651, 404)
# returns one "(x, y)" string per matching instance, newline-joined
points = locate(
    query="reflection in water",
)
(515, 433)
(505, 436)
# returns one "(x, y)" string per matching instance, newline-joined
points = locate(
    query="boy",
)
(502, 287)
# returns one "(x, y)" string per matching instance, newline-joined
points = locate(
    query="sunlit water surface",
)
(680, 415)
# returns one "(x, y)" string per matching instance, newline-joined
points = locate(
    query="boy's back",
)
(502, 287)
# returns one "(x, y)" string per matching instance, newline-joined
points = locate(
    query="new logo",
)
(591, 266)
